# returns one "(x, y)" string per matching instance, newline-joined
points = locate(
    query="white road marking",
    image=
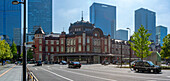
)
(150, 80)
(57, 74)
(122, 75)
(87, 75)
(168, 76)
(48, 66)
(35, 68)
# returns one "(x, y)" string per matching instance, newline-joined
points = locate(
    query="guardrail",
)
(31, 76)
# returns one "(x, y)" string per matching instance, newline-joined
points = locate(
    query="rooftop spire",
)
(82, 16)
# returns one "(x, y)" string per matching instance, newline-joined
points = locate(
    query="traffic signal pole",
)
(24, 45)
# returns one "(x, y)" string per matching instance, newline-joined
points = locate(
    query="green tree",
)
(140, 43)
(165, 52)
(14, 51)
(29, 54)
(5, 51)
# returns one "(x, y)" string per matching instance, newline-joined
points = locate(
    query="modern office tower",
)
(122, 35)
(39, 15)
(161, 32)
(104, 17)
(146, 18)
(10, 21)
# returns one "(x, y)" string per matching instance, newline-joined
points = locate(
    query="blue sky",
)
(69, 11)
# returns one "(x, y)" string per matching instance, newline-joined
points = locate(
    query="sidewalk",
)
(10, 72)
(3, 68)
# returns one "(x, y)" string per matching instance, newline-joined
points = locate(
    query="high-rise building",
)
(39, 15)
(10, 21)
(161, 32)
(122, 35)
(146, 18)
(104, 17)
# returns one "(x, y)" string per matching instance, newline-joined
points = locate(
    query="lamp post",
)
(24, 37)
(130, 55)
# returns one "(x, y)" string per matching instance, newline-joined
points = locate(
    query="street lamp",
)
(24, 38)
(130, 47)
(121, 53)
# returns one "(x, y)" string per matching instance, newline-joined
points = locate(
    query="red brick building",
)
(84, 43)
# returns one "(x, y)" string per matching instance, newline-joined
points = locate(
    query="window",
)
(68, 42)
(46, 48)
(79, 47)
(46, 42)
(40, 48)
(88, 48)
(98, 43)
(57, 48)
(95, 34)
(68, 49)
(40, 41)
(79, 39)
(105, 42)
(52, 42)
(71, 49)
(62, 49)
(71, 41)
(57, 42)
(88, 40)
(105, 48)
(74, 49)
(40, 56)
(74, 42)
(62, 41)
(52, 49)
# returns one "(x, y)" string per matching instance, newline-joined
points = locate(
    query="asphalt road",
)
(95, 72)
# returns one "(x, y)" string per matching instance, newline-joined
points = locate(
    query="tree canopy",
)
(165, 52)
(140, 43)
(14, 51)
(5, 51)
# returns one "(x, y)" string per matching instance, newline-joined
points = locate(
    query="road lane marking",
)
(35, 68)
(122, 75)
(88, 75)
(7, 71)
(57, 74)
(168, 76)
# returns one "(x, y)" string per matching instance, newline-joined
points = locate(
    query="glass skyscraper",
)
(122, 34)
(10, 21)
(146, 18)
(161, 32)
(104, 17)
(39, 15)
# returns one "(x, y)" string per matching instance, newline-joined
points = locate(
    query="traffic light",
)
(34, 46)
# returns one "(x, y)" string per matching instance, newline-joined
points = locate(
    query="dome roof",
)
(39, 31)
(81, 23)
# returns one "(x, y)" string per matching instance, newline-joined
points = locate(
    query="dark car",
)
(114, 61)
(39, 63)
(63, 62)
(146, 66)
(74, 65)
(105, 63)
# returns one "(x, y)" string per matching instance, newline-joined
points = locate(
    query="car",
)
(74, 65)
(105, 63)
(132, 63)
(146, 66)
(63, 62)
(39, 63)
(114, 62)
